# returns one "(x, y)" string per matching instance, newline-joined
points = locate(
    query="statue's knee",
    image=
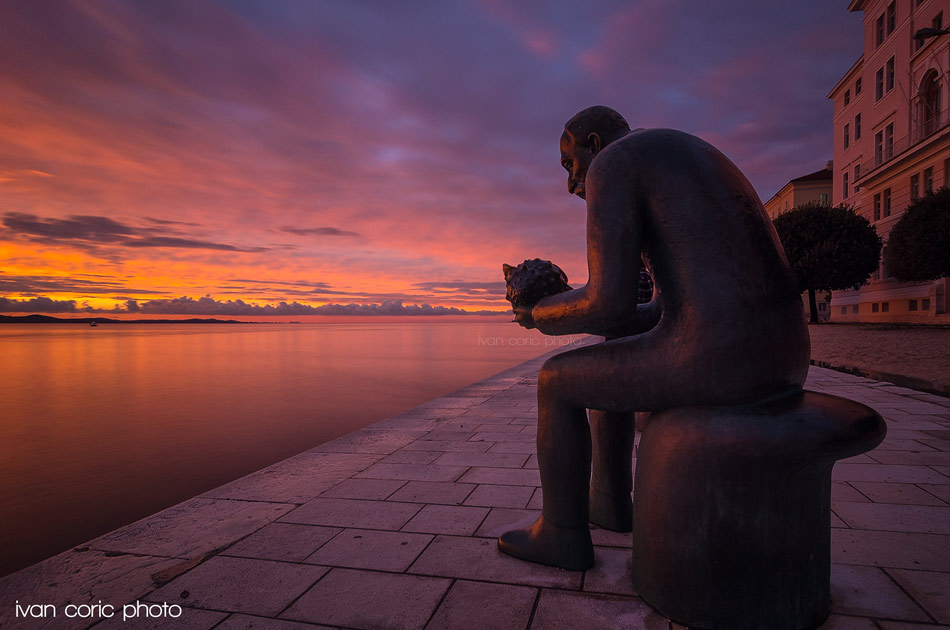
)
(550, 375)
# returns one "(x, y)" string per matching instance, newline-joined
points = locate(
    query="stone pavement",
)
(394, 527)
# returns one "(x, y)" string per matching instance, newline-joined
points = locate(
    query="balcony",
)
(889, 151)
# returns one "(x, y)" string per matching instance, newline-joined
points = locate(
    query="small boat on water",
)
(93, 323)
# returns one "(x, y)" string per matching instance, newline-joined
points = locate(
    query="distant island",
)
(46, 319)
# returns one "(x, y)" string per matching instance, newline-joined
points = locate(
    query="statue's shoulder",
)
(660, 137)
(646, 146)
(642, 147)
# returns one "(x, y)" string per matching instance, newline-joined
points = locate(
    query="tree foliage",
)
(829, 249)
(918, 247)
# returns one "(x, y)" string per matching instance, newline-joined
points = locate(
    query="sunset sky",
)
(265, 158)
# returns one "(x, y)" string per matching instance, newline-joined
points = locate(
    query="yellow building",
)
(892, 144)
(815, 186)
(801, 190)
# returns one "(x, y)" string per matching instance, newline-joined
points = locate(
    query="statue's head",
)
(584, 136)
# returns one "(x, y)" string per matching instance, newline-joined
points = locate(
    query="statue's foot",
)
(548, 544)
(611, 512)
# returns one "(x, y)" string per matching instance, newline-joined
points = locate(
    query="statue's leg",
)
(561, 536)
(611, 483)
(602, 376)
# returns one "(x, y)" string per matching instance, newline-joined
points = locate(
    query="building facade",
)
(814, 187)
(892, 145)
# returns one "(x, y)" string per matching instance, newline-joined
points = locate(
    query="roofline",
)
(847, 76)
(812, 177)
(778, 194)
(857, 5)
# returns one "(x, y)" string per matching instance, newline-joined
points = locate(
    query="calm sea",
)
(102, 426)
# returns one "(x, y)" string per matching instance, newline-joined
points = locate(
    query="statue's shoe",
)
(554, 546)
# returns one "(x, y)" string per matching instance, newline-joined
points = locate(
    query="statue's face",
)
(576, 160)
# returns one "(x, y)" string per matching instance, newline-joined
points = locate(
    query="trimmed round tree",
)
(918, 247)
(829, 249)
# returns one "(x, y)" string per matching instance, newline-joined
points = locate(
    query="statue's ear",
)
(507, 269)
(595, 143)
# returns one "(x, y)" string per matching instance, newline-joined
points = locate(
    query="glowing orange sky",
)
(343, 153)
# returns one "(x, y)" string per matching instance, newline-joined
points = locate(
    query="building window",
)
(879, 31)
(857, 127)
(887, 202)
(879, 84)
(854, 309)
(857, 172)
(847, 97)
(937, 22)
(877, 206)
(891, 17)
(847, 136)
(925, 304)
(889, 71)
(911, 305)
(823, 197)
(822, 307)
(844, 310)
(929, 104)
(915, 187)
(928, 180)
(875, 307)
(889, 141)
(857, 86)
(844, 185)
(878, 148)
(885, 307)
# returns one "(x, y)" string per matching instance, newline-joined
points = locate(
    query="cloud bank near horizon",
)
(207, 306)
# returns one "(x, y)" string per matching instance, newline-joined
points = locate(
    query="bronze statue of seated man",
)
(725, 325)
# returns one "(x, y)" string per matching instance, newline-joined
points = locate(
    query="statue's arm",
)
(614, 238)
(646, 317)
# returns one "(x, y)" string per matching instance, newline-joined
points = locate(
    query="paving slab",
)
(248, 622)
(868, 591)
(353, 513)
(192, 528)
(500, 496)
(479, 559)
(895, 493)
(404, 514)
(260, 587)
(370, 600)
(187, 619)
(611, 573)
(371, 549)
(413, 472)
(480, 605)
(447, 519)
(283, 541)
(433, 492)
(76, 577)
(922, 519)
(560, 609)
(930, 588)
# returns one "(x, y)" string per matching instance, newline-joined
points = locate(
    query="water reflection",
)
(100, 426)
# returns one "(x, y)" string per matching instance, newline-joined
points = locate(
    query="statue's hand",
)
(523, 316)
